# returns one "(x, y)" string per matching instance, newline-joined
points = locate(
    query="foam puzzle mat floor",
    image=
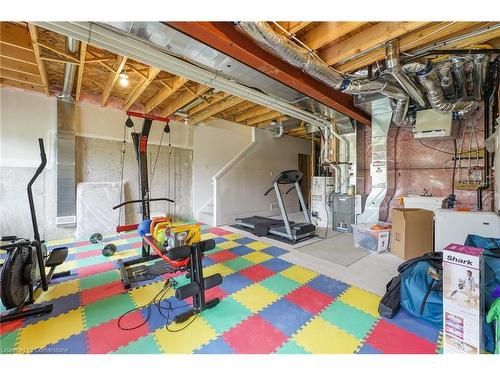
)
(267, 305)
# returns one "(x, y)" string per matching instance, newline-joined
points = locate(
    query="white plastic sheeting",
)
(94, 208)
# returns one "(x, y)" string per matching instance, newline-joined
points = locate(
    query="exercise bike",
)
(23, 273)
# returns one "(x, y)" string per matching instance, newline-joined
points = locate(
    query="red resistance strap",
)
(126, 228)
(174, 263)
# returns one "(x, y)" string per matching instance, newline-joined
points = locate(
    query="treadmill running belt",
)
(261, 220)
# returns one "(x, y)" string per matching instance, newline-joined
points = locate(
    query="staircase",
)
(206, 213)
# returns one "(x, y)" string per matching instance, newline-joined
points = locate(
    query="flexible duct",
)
(394, 68)
(299, 57)
(429, 80)
(459, 74)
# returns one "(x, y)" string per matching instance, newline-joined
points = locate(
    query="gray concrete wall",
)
(97, 160)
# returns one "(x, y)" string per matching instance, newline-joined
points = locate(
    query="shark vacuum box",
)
(462, 299)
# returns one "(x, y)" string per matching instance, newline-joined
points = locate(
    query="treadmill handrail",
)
(142, 200)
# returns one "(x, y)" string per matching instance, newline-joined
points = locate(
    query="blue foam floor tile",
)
(276, 264)
(76, 344)
(274, 251)
(418, 326)
(368, 349)
(327, 285)
(217, 346)
(295, 316)
(235, 282)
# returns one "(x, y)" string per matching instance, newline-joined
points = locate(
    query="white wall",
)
(214, 145)
(26, 116)
(240, 192)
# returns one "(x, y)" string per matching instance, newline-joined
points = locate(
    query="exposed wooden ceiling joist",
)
(15, 35)
(264, 117)
(328, 32)
(186, 97)
(208, 102)
(367, 39)
(17, 54)
(79, 79)
(238, 109)
(140, 87)
(40, 64)
(214, 109)
(267, 122)
(435, 31)
(292, 27)
(164, 94)
(254, 112)
(112, 78)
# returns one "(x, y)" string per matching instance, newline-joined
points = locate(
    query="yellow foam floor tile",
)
(217, 268)
(61, 241)
(257, 245)
(232, 236)
(362, 300)
(321, 337)
(228, 245)
(124, 254)
(59, 290)
(67, 266)
(299, 274)
(186, 341)
(257, 257)
(208, 236)
(145, 294)
(255, 297)
(50, 331)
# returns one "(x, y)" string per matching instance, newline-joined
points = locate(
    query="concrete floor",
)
(372, 272)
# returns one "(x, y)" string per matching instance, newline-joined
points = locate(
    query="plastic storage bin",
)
(376, 241)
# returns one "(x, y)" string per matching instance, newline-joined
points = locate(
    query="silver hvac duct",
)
(69, 70)
(444, 71)
(429, 80)
(459, 74)
(394, 68)
(299, 57)
(478, 75)
(65, 167)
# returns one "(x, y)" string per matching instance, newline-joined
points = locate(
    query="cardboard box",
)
(462, 299)
(412, 232)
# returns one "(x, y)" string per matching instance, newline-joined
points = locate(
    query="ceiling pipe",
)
(429, 80)
(300, 58)
(394, 68)
(69, 70)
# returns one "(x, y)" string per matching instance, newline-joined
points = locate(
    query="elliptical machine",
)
(23, 272)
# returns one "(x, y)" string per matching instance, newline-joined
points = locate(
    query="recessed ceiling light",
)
(123, 79)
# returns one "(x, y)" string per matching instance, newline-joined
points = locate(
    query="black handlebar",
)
(142, 200)
(39, 170)
(269, 190)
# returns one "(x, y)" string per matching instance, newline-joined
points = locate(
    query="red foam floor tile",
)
(108, 337)
(88, 254)
(102, 291)
(309, 299)
(256, 273)
(254, 336)
(96, 268)
(11, 326)
(82, 243)
(391, 339)
(222, 256)
(219, 231)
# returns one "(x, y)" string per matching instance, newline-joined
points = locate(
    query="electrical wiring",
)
(157, 301)
(435, 149)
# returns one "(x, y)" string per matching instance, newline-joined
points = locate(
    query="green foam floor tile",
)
(99, 279)
(107, 309)
(291, 347)
(280, 285)
(227, 314)
(349, 319)
(237, 264)
(145, 345)
(90, 261)
(82, 249)
(8, 342)
(216, 249)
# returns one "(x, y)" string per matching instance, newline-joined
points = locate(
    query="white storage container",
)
(377, 241)
(426, 203)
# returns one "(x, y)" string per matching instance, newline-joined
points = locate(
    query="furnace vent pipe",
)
(394, 68)
(69, 70)
(299, 57)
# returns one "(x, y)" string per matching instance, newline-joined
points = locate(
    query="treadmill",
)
(290, 230)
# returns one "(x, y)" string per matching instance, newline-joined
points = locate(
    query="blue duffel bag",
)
(421, 287)
(491, 253)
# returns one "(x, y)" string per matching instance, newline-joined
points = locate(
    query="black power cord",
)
(157, 301)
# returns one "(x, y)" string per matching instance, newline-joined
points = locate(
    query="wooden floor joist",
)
(140, 87)
(214, 109)
(112, 78)
(183, 99)
(164, 94)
